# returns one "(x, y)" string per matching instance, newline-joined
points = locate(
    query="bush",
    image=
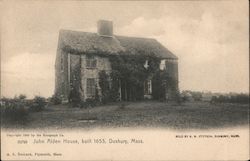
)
(109, 85)
(214, 99)
(184, 98)
(240, 98)
(38, 104)
(22, 97)
(89, 103)
(104, 85)
(74, 97)
(114, 94)
(197, 96)
(178, 98)
(14, 111)
(55, 100)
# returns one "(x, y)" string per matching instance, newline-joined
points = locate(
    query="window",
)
(90, 62)
(91, 87)
(146, 65)
(148, 87)
(163, 64)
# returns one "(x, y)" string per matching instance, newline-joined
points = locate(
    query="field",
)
(191, 115)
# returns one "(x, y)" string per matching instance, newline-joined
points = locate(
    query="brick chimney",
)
(105, 28)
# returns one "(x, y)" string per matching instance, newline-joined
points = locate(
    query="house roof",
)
(147, 46)
(85, 42)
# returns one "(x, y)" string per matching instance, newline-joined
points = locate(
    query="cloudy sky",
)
(209, 37)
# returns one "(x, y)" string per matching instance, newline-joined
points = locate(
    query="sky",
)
(210, 38)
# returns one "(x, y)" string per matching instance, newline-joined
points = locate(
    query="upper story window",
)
(146, 65)
(90, 61)
(163, 64)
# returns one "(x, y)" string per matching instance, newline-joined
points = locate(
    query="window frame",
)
(91, 62)
(91, 87)
(148, 87)
(163, 64)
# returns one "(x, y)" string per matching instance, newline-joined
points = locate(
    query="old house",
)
(82, 55)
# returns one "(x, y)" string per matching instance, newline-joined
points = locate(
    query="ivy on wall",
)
(105, 86)
(129, 73)
(164, 86)
(132, 73)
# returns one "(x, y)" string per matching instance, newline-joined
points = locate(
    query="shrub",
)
(55, 100)
(197, 96)
(14, 111)
(89, 102)
(114, 94)
(22, 97)
(214, 99)
(38, 104)
(240, 98)
(178, 98)
(109, 85)
(159, 86)
(74, 97)
(104, 85)
(184, 98)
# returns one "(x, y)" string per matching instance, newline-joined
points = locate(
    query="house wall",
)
(76, 66)
(172, 70)
(103, 63)
(61, 79)
(74, 73)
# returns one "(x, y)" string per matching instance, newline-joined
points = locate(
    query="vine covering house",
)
(134, 68)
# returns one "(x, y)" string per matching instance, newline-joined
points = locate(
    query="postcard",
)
(124, 80)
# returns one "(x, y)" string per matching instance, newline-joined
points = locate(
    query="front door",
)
(148, 89)
(123, 91)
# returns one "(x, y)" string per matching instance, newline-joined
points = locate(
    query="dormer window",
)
(90, 62)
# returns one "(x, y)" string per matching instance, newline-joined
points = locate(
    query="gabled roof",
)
(147, 46)
(85, 42)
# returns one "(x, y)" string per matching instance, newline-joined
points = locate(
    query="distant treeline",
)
(188, 95)
(239, 98)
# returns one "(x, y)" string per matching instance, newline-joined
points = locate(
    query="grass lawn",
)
(192, 115)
